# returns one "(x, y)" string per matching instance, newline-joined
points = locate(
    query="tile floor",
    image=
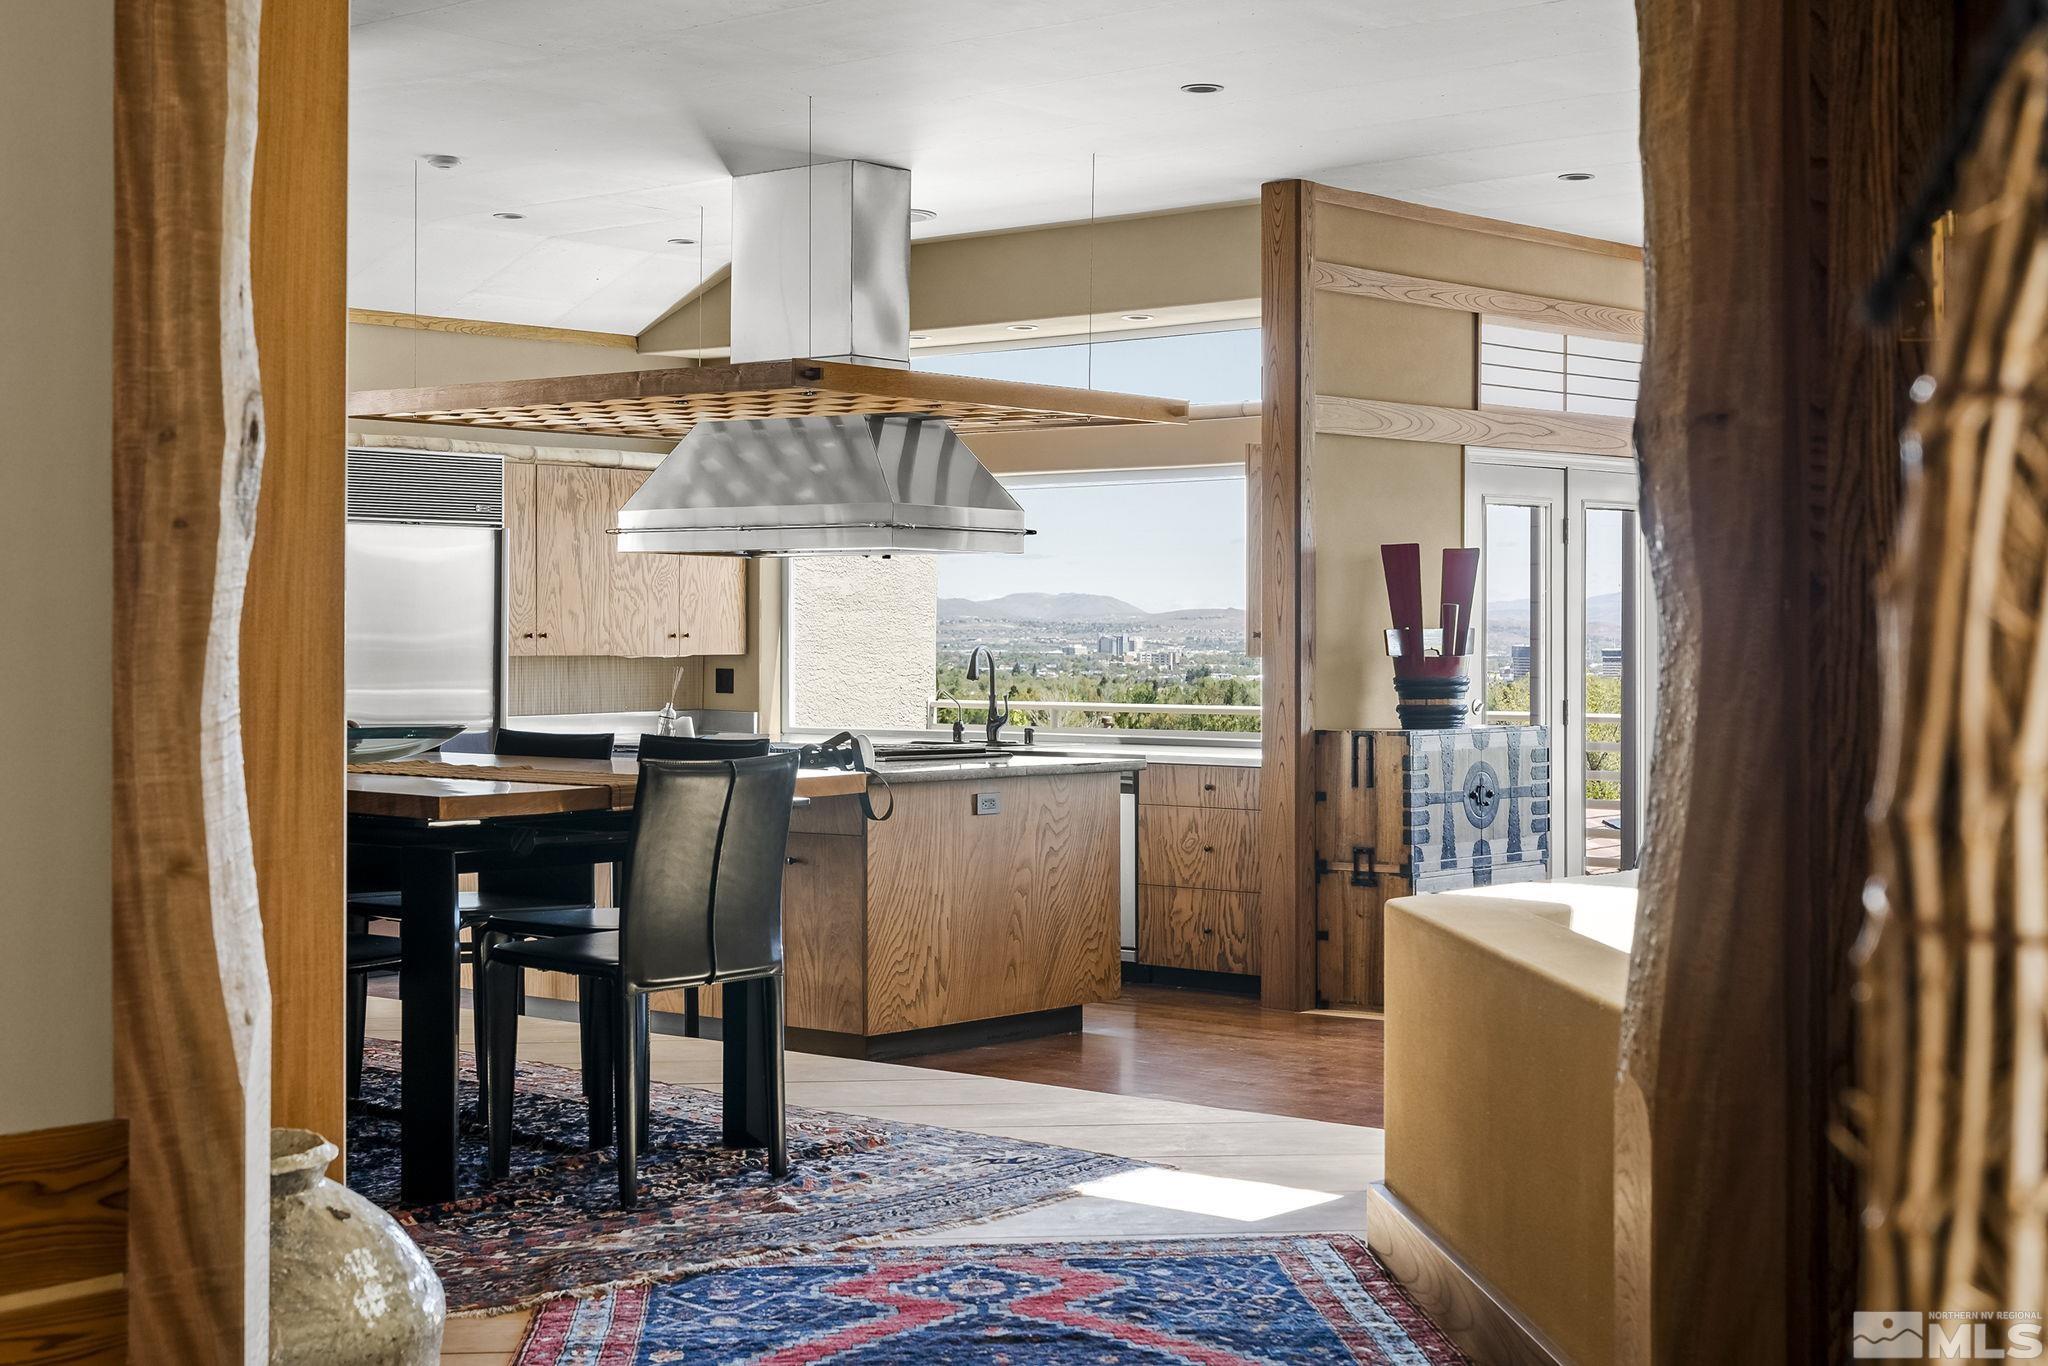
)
(1231, 1171)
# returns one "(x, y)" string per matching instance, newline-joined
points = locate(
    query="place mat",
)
(624, 783)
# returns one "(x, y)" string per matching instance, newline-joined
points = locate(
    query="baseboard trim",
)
(1190, 979)
(1457, 1299)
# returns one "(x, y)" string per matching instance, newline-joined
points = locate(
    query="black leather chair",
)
(541, 744)
(702, 907)
(700, 747)
(538, 914)
(367, 954)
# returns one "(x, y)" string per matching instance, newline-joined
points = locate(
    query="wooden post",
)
(292, 618)
(1286, 599)
(191, 998)
(1781, 146)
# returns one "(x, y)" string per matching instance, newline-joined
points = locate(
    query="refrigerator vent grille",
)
(426, 486)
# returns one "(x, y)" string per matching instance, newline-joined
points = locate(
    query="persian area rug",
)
(1276, 1301)
(554, 1226)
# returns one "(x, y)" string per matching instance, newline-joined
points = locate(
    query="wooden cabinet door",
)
(519, 559)
(712, 606)
(572, 559)
(640, 610)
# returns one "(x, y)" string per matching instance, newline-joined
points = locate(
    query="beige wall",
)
(407, 358)
(1193, 266)
(56, 561)
(1364, 492)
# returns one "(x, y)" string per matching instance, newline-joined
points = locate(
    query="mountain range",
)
(1090, 609)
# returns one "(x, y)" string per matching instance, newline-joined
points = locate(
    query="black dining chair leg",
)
(693, 1018)
(501, 1046)
(480, 1015)
(586, 1035)
(604, 1051)
(774, 1064)
(358, 1012)
(645, 1055)
(625, 1009)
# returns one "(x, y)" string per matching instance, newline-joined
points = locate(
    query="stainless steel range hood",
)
(821, 270)
(822, 485)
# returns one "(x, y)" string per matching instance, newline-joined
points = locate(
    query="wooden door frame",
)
(230, 187)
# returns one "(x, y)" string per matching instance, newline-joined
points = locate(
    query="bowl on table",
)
(388, 744)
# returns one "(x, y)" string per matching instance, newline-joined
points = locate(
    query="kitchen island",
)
(984, 907)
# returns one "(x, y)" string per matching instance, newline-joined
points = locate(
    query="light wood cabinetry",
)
(1198, 832)
(570, 591)
(938, 918)
(520, 520)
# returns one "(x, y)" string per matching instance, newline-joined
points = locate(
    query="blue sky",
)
(1161, 544)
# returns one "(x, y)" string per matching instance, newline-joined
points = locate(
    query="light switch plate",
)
(988, 803)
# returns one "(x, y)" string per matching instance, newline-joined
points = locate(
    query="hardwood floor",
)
(1218, 1170)
(1204, 1047)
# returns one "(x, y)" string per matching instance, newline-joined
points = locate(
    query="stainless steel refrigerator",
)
(426, 572)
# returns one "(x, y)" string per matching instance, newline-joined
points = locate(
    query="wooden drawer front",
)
(1190, 846)
(1199, 785)
(1180, 927)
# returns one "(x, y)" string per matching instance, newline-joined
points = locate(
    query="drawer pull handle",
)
(1208, 848)
(792, 859)
(1208, 787)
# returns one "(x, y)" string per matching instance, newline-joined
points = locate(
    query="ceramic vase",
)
(347, 1287)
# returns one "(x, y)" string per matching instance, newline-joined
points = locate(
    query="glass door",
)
(1604, 630)
(1563, 620)
(1514, 514)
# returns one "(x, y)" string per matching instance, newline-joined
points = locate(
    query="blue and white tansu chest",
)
(1476, 806)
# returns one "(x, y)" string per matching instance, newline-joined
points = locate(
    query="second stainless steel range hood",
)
(821, 264)
(822, 485)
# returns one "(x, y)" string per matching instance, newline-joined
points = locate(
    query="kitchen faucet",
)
(996, 721)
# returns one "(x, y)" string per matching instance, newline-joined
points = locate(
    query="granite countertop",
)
(1008, 766)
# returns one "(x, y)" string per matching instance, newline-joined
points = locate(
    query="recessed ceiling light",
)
(441, 161)
(509, 217)
(1023, 327)
(1576, 175)
(1200, 88)
(682, 241)
(1137, 317)
(923, 215)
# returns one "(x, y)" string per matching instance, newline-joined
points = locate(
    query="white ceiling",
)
(614, 125)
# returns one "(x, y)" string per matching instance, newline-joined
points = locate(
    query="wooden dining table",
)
(529, 825)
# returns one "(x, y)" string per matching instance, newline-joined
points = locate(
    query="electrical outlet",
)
(988, 803)
(721, 680)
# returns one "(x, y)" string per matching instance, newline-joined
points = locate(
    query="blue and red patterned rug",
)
(554, 1225)
(1277, 1301)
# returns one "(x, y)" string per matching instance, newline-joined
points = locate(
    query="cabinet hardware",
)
(543, 635)
(792, 859)
(527, 636)
(671, 635)
(1208, 787)
(1208, 848)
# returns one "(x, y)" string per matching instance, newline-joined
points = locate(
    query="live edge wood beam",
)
(1781, 143)
(191, 996)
